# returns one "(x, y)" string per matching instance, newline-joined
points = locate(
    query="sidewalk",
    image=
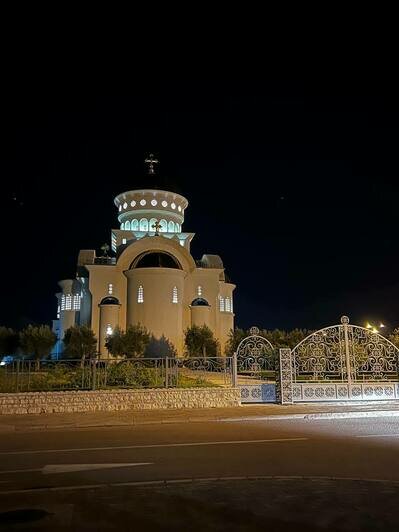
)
(34, 422)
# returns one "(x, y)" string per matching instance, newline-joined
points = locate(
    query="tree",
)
(80, 342)
(8, 341)
(37, 341)
(160, 348)
(131, 343)
(200, 342)
(233, 341)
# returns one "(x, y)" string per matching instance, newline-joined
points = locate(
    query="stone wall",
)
(105, 400)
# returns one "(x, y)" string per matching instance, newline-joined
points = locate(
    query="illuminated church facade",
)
(151, 280)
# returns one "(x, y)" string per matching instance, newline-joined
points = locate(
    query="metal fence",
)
(49, 375)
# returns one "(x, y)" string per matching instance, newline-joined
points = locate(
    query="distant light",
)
(374, 330)
(368, 326)
(382, 325)
(173, 205)
(109, 330)
(2, 363)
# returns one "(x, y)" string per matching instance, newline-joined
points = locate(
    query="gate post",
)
(234, 369)
(345, 321)
(286, 376)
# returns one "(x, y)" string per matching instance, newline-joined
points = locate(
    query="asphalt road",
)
(348, 448)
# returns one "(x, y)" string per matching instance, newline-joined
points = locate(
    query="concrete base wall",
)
(96, 401)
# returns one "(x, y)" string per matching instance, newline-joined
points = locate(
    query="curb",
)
(272, 417)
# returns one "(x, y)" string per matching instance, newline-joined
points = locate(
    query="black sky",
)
(294, 182)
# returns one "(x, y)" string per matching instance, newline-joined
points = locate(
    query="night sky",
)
(292, 182)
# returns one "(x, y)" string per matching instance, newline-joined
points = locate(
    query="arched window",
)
(221, 304)
(140, 294)
(153, 221)
(171, 227)
(122, 226)
(163, 226)
(127, 226)
(144, 224)
(177, 228)
(134, 226)
(175, 295)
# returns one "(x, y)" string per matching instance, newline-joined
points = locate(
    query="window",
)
(144, 224)
(179, 208)
(58, 311)
(174, 295)
(76, 302)
(140, 294)
(110, 289)
(151, 225)
(125, 205)
(134, 226)
(199, 291)
(227, 304)
(108, 330)
(154, 202)
(173, 205)
(164, 203)
(122, 226)
(132, 203)
(177, 227)
(163, 226)
(221, 304)
(171, 227)
(120, 208)
(62, 302)
(143, 202)
(123, 240)
(68, 302)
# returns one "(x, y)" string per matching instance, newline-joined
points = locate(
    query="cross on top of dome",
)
(151, 162)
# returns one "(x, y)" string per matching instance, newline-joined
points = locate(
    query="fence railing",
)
(94, 374)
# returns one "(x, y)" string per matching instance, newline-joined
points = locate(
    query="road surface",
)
(38, 466)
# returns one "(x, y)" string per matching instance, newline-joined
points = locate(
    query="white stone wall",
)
(106, 401)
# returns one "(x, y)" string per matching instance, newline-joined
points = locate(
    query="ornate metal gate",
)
(255, 359)
(344, 362)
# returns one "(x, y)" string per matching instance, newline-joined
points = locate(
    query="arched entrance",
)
(343, 362)
(256, 359)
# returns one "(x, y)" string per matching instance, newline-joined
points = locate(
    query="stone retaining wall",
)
(105, 400)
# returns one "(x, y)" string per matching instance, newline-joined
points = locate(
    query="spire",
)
(151, 162)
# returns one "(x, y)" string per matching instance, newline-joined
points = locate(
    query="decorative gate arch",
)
(254, 353)
(255, 361)
(344, 362)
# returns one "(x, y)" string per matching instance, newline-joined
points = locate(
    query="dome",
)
(156, 259)
(109, 300)
(199, 302)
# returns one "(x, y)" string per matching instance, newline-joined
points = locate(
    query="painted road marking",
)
(153, 446)
(378, 436)
(70, 468)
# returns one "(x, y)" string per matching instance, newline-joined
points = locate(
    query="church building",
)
(151, 280)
